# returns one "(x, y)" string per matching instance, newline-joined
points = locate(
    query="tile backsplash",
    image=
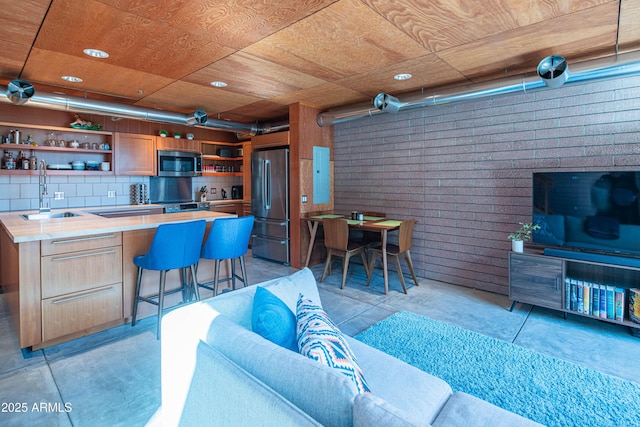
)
(20, 192)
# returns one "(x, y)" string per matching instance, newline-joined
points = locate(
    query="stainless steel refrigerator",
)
(270, 204)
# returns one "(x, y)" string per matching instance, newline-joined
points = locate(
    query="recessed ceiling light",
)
(402, 76)
(96, 53)
(72, 79)
(218, 84)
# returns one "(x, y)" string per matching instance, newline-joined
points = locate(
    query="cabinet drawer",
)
(232, 208)
(72, 272)
(536, 280)
(75, 312)
(72, 244)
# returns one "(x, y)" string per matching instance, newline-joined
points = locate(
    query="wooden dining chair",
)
(336, 240)
(405, 242)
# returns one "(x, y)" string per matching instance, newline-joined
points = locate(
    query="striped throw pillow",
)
(320, 339)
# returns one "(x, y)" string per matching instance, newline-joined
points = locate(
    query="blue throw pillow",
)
(320, 339)
(273, 320)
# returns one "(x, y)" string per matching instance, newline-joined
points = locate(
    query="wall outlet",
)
(304, 198)
(111, 193)
(58, 195)
(214, 191)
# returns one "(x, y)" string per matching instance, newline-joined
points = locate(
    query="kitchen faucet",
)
(42, 186)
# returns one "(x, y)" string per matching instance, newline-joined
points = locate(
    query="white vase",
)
(517, 246)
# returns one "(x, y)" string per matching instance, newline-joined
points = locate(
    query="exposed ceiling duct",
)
(21, 92)
(551, 73)
(264, 128)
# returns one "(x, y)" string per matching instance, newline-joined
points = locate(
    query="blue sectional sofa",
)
(217, 371)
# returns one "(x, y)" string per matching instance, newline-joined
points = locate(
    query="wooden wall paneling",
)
(276, 139)
(246, 172)
(305, 133)
(296, 256)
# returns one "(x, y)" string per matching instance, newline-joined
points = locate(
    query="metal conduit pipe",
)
(198, 118)
(622, 65)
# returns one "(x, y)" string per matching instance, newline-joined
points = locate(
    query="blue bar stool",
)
(173, 246)
(228, 239)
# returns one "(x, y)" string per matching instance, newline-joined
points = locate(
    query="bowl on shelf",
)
(92, 165)
(77, 165)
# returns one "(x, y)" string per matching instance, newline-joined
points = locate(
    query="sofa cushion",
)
(290, 287)
(207, 404)
(551, 229)
(323, 393)
(272, 319)
(238, 305)
(402, 385)
(464, 410)
(370, 410)
(320, 339)
(603, 227)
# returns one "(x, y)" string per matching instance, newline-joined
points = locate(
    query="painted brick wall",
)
(464, 170)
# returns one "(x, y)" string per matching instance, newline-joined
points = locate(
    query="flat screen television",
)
(595, 212)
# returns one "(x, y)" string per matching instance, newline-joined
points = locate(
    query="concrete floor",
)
(112, 378)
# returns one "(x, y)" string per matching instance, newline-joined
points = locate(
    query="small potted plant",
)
(164, 133)
(519, 236)
(176, 135)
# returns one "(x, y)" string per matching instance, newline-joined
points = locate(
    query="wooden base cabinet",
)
(81, 283)
(581, 287)
(536, 279)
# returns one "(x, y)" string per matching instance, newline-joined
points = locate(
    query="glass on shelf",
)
(51, 140)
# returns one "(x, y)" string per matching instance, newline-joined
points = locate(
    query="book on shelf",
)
(619, 304)
(586, 298)
(595, 300)
(580, 302)
(634, 304)
(611, 304)
(600, 300)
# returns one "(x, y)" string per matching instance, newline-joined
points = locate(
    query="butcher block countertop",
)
(21, 230)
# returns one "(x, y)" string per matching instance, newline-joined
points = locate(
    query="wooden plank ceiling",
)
(323, 53)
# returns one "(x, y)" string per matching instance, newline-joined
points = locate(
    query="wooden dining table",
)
(369, 223)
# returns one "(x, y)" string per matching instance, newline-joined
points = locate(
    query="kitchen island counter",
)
(68, 277)
(21, 230)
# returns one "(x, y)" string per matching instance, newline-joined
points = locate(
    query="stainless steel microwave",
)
(179, 163)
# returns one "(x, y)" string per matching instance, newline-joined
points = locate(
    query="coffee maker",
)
(236, 192)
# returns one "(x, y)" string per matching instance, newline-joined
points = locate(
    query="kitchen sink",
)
(49, 215)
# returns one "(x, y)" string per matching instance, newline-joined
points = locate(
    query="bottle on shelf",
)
(10, 162)
(24, 161)
(33, 161)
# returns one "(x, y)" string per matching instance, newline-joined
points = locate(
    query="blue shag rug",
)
(542, 388)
